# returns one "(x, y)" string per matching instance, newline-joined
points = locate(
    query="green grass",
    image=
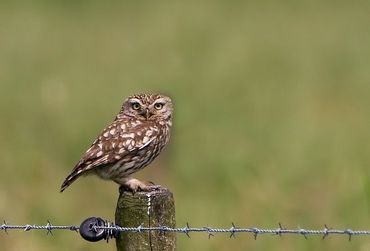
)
(272, 114)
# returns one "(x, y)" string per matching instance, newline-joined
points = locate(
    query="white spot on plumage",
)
(106, 134)
(128, 135)
(112, 131)
(126, 143)
(146, 143)
(135, 123)
(123, 127)
(153, 129)
(100, 153)
(145, 139)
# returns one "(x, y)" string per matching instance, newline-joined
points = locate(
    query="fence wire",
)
(210, 231)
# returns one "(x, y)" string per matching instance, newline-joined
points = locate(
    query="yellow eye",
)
(158, 106)
(135, 106)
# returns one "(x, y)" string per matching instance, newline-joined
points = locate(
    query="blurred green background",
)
(272, 114)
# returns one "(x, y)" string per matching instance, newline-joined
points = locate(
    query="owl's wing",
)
(114, 143)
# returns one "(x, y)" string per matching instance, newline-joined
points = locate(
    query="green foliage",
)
(271, 120)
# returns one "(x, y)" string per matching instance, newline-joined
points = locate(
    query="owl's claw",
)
(135, 185)
(155, 187)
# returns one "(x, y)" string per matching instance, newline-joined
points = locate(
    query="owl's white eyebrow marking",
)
(135, 100)
(160, 100)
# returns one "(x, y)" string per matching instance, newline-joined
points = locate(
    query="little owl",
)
(131, 142)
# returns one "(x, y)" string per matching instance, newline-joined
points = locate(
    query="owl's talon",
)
(134, 185)
(124, 188)
(121, 189)
(155, 187)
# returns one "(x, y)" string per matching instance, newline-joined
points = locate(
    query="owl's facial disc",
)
(147, 107)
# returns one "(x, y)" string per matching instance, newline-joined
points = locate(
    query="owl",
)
(131, 142)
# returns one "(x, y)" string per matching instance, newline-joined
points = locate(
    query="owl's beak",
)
(146, 113)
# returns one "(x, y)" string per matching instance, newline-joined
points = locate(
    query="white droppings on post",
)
(149, 203)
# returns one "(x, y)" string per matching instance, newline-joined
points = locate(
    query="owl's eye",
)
(158, 106)
(135, 106)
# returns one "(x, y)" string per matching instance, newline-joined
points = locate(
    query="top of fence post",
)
(146, 209)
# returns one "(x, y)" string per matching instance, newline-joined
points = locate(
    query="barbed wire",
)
(109, 230)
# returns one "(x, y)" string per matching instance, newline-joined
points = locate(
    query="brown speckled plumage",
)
(132, 141)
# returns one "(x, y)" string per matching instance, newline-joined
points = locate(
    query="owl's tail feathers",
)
(68, 181)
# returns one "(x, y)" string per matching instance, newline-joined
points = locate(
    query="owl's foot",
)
(134, 185)
(152, 186)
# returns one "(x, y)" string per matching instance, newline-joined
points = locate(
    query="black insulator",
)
(90, 232)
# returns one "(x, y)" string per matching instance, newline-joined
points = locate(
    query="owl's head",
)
(147, 107)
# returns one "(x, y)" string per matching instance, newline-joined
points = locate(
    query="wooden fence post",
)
(149, 209)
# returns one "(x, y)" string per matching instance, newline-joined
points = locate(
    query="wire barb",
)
(49, 227)
(326, 232)
(303, 232)
(255, 231)
(278, 230)
(186, 230)
(350, 233)
(232, 230)
(4, 227)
